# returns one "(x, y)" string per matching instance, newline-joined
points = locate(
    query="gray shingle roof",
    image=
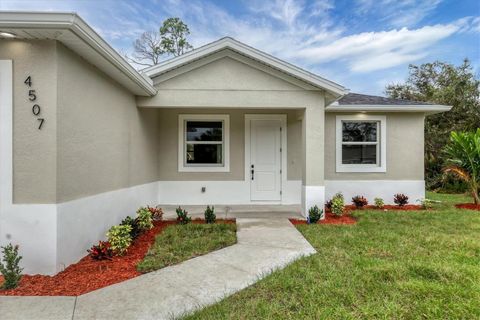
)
(363, 99)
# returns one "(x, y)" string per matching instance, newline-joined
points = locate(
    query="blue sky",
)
(361, 44)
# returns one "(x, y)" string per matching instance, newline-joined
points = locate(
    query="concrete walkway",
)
(264, 245)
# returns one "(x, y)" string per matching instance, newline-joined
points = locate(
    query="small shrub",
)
(10, 268)
(359, 201)
(338, 204)
(101, 251)
(144, 218)
(328, 204)
(379, 203)
(426, 203)
(314, 214)
(182, 216)
(133, 223)
(119, 238)
(400, 199)
(210, 216)
(157, 213)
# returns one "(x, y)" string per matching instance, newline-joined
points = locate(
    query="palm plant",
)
(463, 151)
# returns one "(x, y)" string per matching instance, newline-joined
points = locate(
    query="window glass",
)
(359, 154)
(204, 130)
(204, 154)
(359, 131)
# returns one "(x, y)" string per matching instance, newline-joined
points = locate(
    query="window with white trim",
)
(203, 143)
(360, 143)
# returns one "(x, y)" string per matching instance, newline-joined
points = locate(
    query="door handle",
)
(252, 171)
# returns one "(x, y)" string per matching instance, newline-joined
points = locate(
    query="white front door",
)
(265, 160)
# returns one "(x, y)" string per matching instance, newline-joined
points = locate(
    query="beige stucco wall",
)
(405, 149)
(104, 141)
(168, 142)
(34, 151)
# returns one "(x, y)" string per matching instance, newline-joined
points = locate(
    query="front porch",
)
(240, 211)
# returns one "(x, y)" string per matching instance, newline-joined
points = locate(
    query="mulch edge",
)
(468, 206)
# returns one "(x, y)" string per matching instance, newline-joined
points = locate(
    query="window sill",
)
(204, 169)
(360, 169)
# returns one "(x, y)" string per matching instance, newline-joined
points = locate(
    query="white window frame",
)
(182, 143)
(381, 165)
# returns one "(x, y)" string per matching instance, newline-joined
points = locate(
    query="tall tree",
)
(447, 84)
(174, 37)
(170, 40)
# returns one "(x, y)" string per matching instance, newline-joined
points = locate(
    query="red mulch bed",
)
(470, 206)
(88, 274)
(330, 218)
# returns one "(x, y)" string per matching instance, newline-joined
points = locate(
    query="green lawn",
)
(178, 243)
(390, 265)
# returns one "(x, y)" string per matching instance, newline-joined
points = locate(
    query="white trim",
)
(382, 155)
(241, 48)
(313, 196)
(71, 30)
(430, 109)
(283, 123)
(225, 118)
(370, 189)
(221, 192)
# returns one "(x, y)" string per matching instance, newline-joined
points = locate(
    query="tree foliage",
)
(169, 40)
(446, 84)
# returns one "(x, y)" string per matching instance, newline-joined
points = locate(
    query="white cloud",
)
(305, 33)
(371, 51)
(398, 13)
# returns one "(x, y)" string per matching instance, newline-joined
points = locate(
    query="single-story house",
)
(85, 138)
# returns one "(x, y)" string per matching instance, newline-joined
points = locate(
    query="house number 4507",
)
(32, 96)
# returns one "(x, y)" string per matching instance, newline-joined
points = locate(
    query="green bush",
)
(379, 203)
(182, 216)
(11, 271)
(338, 204)
(314, 214)
(426, 203)
(210, 216)
(144, 218)
(119, 238)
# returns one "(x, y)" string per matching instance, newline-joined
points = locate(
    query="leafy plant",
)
(463, 153)
(144, 218)
(119, 238)
(101, 251)
(400, 199)
(10, 267)
(338, 204)
(379, 203)
(328, 204)
(314, 214)
(210, 216)
(426, 203)
(182, 216)
(157, 213)
(133, 223)
(359, 201)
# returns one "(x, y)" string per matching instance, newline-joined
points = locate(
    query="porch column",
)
(313, 181)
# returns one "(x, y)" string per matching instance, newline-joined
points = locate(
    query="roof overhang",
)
(331, 87)
(74, 33)
(428, 108)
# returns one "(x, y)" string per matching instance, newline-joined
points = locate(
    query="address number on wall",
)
(32, 97)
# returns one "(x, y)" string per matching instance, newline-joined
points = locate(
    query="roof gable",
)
(242, 49)
(226, 70)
